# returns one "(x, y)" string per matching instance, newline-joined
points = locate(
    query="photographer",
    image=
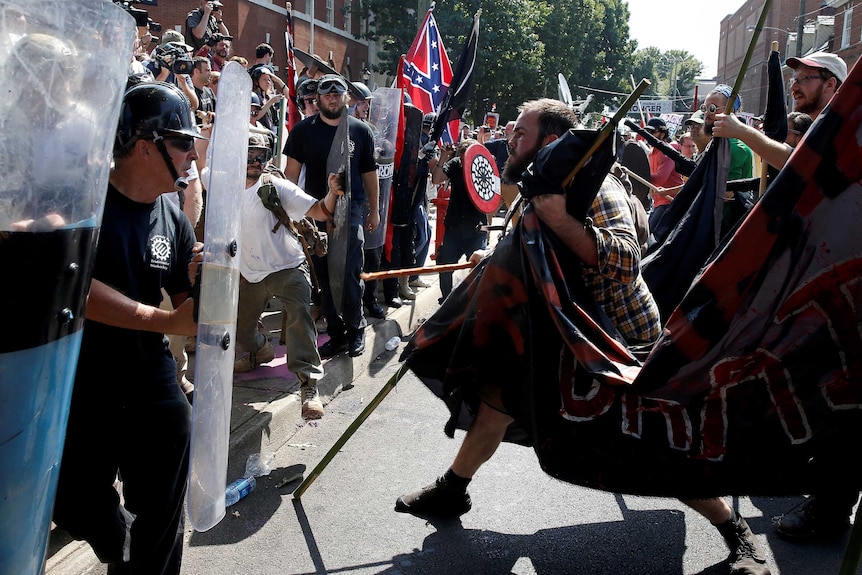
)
(205, 22)
(172, 63)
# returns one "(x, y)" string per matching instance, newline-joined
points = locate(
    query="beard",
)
(330, 114)
(515, 165)
(808, 105)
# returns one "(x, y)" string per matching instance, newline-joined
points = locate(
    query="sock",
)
(456, 481)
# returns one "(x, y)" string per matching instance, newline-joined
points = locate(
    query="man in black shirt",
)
(128, 416)
(308, 145)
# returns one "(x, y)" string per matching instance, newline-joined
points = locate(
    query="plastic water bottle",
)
(238, 489)
(392, 343)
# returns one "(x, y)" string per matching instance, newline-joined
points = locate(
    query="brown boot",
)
(746, 555)
(264, 355)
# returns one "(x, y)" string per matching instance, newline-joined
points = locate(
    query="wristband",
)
(324, 208)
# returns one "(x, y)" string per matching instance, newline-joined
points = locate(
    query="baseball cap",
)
(169, 36)
(656, 124)
(827, 60)
(696, 118)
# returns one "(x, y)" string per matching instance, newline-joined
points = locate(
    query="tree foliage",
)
(525, 44)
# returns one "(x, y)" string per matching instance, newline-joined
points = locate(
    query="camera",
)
(175, 57)
(142, 19)
(153, 26)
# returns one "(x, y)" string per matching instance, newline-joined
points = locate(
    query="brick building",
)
(833, 26)
(320, 27)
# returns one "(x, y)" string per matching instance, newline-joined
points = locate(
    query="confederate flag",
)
(427, 72)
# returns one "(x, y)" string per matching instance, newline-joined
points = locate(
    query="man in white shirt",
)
(273, 264)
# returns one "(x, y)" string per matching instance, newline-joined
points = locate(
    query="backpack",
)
(314, 241)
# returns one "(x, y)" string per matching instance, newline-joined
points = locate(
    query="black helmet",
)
(429, 119)
(360, 88)
(306, 88)
(154, 107)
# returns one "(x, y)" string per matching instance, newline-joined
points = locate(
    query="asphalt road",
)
(522, 522)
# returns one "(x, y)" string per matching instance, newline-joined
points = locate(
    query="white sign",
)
(653, 106)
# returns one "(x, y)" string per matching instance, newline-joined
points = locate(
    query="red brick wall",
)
(249, 24)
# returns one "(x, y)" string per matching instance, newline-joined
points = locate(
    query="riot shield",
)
(217, 302)
(56, 136)
(385, 110)
(338, 162)
(482, 178)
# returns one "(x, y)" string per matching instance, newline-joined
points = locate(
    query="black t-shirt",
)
(206, 101)
(192, 20)
(461, 212)
(500, 150)
(142, 249)
(309, 143)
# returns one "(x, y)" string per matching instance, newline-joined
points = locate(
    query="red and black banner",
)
(757, 375)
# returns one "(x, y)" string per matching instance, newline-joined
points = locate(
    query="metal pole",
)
(800, 28)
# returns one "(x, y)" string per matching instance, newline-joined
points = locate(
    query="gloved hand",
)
(427, 151)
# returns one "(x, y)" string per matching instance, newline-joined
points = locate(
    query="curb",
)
(265, 414)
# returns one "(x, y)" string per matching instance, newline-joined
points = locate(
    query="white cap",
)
(827, 60)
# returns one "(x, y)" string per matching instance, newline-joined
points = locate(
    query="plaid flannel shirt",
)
(616, 283)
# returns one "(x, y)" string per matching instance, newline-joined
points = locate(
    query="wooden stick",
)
(351, 429)
(386, 274)
(638, 178)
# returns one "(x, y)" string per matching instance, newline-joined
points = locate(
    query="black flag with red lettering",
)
(758, 371)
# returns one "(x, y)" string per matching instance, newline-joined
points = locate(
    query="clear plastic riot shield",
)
(219, 294)
(56, 136)
(383, 117)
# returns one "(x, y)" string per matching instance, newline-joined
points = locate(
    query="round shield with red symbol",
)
(482, 178)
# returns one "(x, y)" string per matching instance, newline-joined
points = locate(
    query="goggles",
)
(711, 109)
(329, 86)
(258, 156)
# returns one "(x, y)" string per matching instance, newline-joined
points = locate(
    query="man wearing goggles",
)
(272, 264)
(308, 145)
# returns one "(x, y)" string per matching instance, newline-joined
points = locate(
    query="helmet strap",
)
(179, 185)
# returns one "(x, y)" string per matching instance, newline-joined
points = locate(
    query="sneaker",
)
(264, 355)
(191, 344)
(404, 290)
(746, 555)
(394, 302)
(312, 407)
(356, 345)
(418, 283)
(809, 521)
(332, 348)
(439, 500)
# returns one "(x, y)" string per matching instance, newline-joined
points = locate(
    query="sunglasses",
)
(331, 86)
(258, 157)
(182, 144)
(309, 101)
(711, 109)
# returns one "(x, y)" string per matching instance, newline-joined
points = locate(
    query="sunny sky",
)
(681, 25)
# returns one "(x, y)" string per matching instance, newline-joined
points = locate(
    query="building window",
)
(348, 17)
(330, 12)
(845, 31)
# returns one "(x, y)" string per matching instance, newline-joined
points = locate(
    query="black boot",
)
(746, 555)
(446, 498)
(814, 519)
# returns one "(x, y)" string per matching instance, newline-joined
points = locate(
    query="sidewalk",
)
(265, 410)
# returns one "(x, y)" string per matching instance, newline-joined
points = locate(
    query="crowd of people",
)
(150, 245)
